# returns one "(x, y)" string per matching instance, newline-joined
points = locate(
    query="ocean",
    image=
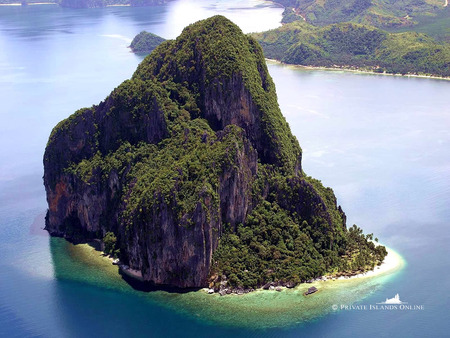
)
(381, 142)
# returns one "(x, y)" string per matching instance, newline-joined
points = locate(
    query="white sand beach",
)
(392, 262)
(355, 70)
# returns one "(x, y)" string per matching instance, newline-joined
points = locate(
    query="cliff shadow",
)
(146, 286)
(66, 265)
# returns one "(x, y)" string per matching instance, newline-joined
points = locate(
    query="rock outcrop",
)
(181, 154)
(144, 43)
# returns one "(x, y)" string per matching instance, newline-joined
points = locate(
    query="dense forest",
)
(356, 46)
(274, 246)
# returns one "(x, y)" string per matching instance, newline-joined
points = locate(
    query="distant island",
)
(89, 3)
(378, 13)
(189, 175)
(145, 42)
(355, 46)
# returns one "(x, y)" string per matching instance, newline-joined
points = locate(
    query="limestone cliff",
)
(178, 159)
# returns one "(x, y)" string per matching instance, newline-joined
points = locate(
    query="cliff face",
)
(180, 155)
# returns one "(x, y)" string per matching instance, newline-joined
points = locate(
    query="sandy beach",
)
(360, 71)
(392, 262)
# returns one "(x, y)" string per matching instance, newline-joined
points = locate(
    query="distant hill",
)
(82, 3)
(89, 3)
(26, 2)
(145, 42)
(378, 13)
(437, 26)
(356, 46)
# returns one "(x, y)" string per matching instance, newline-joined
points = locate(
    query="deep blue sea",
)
(381, 142)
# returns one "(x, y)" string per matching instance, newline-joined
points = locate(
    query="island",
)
(89, 3)
(145, 42)
(189, 174)
(378, 13)
(357, 47)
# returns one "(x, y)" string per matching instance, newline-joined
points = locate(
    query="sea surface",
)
(381, 142)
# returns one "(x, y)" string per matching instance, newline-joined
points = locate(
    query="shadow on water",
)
(88, 257)
(38, 225)
(139, 285)
(151, 287)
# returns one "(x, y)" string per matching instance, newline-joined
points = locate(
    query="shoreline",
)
(357, 71)
(392, 262)
(258, 309)
(54, 3)
(29, 4)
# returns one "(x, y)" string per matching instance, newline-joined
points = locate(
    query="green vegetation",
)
(109, 242)
(436, 26)
(378, 13)
(290, 15)
(181, 171)
(356, 46)
(296, 234)
(223, 54)
(273, 246)
(145, 42)
(293, 229)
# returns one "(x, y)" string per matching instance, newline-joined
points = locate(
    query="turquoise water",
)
(381, 142)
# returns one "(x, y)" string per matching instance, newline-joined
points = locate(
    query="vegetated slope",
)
(353, 45)
(192, 167)
(145, 42)
(379, 13)
(436, 26)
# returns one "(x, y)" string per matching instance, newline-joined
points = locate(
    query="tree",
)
(110, 244)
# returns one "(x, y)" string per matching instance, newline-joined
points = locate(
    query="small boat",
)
(311, 290)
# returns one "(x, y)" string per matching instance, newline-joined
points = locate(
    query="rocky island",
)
(145, 42)
(191, 175)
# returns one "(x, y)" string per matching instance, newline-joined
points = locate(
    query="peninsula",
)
(356, 46)
(191, 176)
(378, 13)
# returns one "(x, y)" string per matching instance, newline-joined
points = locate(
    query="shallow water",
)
(257, 310)
(381, 142)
